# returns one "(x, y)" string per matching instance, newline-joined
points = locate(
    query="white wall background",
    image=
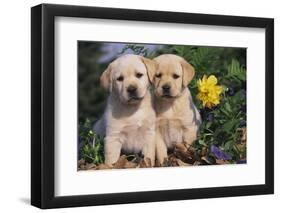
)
(15, 105)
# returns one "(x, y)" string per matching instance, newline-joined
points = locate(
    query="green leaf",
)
(229, 125)
(236, 71)
(228, 107)
(228, 145)
(202, 142)
(208, 125)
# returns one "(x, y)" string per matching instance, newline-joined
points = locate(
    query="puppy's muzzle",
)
(132, 90)
(166, 89)
(133, 93)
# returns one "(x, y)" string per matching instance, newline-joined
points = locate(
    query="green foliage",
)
(91, 145)
(92, 97)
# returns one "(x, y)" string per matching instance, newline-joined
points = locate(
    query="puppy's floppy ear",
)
(188, 72)
(105, 78)
(150, 67)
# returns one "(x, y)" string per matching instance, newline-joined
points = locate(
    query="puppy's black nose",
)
(131, 89)
(166, 87)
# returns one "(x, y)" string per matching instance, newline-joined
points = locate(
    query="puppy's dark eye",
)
(139, 75)
(175, 76)
(158, 75)
(120, 78)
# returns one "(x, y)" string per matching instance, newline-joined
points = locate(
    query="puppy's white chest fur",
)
(136, 128)
(172, 130)
(134, 135)
(178, 121)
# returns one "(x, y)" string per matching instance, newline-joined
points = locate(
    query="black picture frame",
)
(43, 102)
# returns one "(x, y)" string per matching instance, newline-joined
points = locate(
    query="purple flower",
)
(219, 154)
(210, 117)
(242, 123)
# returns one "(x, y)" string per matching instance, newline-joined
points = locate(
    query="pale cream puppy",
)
(178, 119)
(128, 122)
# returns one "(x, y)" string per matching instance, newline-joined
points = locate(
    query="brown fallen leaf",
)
(103, 166)
(197, 163)
(181, 163)
(145, 163)
(172, 161)
(203, 151)
(242, 135)
(83, 167)
(121, 162)
(81, 162)
(186, 156)
(182, 155)
(130, 164)
(181, 147)
(208, 160)
(90, 166)
(220, 162)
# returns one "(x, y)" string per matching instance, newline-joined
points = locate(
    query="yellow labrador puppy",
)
(128, 122)
(178, 119)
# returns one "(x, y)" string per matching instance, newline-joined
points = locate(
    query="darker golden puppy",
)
(178, 119)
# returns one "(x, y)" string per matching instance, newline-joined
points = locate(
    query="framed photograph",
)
(139, 106)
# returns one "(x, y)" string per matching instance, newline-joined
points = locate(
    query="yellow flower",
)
(209, 91)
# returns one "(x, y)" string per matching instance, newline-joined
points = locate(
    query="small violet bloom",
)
(219, 154)
(210, 117)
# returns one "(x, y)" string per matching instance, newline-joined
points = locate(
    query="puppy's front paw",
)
(162, 163)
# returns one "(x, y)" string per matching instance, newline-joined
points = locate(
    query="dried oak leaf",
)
(130, 164)
(181, 163)
(220, 162)
(208, 160)
(197, 163)
(184, 154)
(90, 166)
(120, 164)
(81, 162)
(242, 135)
(203, 151)
(103, 166)
(172, 161)
(145, 163)
(83, 167)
